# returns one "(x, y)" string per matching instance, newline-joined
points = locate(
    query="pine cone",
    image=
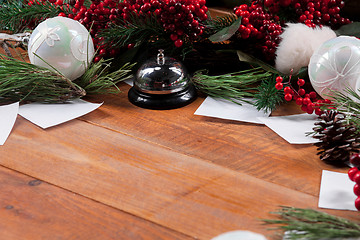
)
(337, 138)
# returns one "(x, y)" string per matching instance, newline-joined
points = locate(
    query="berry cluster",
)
(261, 27)
(354, 175)
(311, 12)
(309, 102)
(180, 18)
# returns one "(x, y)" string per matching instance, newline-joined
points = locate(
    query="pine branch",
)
(268, 97)
(138, 30)
(99, 79)
(314, 225)
(348, 103)
(21, 81)
(233, 87)
(15, 16)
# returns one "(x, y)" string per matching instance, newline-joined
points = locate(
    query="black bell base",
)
(162, 101)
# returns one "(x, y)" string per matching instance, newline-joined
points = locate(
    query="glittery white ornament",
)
(63, 43)
(335, 66)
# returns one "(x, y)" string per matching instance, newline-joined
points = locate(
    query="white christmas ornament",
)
(335, 66)
(63, 43)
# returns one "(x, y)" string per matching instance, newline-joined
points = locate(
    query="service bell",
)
(162, 83)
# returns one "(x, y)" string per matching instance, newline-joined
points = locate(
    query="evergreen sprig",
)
(348, 103)
(15, 16)
(310, 224)
(21, 81)
(234, 87)
(268, 97)
(101, 79)
(24, 82)
(139, 29)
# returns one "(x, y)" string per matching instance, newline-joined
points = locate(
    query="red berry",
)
(299, 101)
(178, 43)
(357, 177)
(312, 95)
(288, 97)
(318, 111)
(278, 85)
(301, 82)
(306, 101)
(357, 203)
(355, 159)
(301, 91)
(287, 90)
(357, 190)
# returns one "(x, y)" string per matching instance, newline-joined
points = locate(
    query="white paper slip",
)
(336, 191)
(293, 128)
(48, 115)
(129, 82)
(8, 114)
(224, 109)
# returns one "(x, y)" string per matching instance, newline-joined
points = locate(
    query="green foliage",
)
(348, 103)
(15, 16)
(21, 81)
(101, 79)
(314, 225)
(234, 87)
(138, 30)
(222, 28)
(352, 29)
(25, 82)
(268, 97)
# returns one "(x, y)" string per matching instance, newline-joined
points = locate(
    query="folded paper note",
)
(336, 191)
(224, 109)
(293, 128)
(47, 115)
(8, 114)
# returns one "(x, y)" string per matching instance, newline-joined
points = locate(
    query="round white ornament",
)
(63, 43)
(335, 66)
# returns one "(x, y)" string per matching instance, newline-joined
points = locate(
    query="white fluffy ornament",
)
(298, 45)
(335, 66)
(63, 43)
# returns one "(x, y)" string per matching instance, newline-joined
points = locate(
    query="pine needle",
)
(348, 103)
(15, 16)
(21, 81)
(268, 97)
(138, 30)
(100, 79)
(314, 225)
(234, 87)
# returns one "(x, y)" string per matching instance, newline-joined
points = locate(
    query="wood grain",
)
(184, 193)
(33, 209)
(249, 148)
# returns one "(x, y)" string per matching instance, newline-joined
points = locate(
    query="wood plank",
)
(33, 209)
(184, 193)
(250, 148)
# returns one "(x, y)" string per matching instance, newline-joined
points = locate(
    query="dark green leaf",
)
(352, 29)
(244, 57)
(226, 33)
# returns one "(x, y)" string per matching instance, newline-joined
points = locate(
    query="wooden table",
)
(122, 172)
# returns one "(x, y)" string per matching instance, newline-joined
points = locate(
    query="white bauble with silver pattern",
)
(335, 66)
(61, 43)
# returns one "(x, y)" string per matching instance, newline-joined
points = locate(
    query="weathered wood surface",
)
(171, 173)
(33, 209)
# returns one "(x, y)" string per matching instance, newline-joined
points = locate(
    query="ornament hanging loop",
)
(161, 57)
